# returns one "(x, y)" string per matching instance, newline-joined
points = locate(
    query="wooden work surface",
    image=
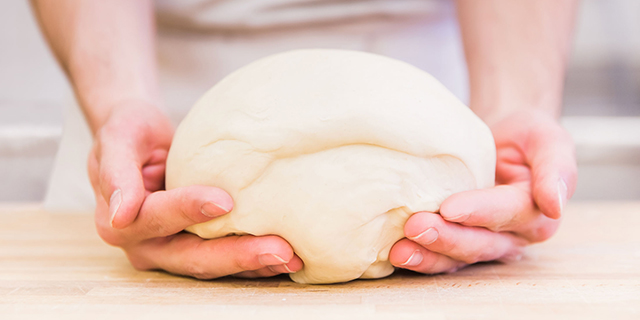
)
(55, 266)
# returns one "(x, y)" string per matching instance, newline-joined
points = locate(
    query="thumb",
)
(121, 182)
(550, 152)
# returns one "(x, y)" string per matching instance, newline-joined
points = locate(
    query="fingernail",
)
(212, 209)
(427, 237)
(562, 194)
(414, 260)
(269, 259)
(114, 204)
(280, 269)
(461, 218)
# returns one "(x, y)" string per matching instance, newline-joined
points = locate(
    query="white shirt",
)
(264, 14)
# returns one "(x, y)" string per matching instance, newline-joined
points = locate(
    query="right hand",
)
(536, 174)
(133, 212)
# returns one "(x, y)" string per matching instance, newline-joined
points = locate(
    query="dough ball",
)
(333, 151)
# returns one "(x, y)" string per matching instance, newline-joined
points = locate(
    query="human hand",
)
(536, 174)
(126, 168)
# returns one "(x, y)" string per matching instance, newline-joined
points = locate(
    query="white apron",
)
(200, 42)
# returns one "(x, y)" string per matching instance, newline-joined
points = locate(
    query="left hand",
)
(536, 174)
(135, 213)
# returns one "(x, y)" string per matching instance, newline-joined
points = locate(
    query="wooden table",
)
(55, 266)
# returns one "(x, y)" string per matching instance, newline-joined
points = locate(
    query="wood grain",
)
(55, 266)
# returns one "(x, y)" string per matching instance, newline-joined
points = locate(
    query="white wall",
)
(607, 30)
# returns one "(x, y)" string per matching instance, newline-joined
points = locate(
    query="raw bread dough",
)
(332, 150)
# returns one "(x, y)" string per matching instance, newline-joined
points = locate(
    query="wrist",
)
(520, 120)
(143, 125)
(498, 94)
(100, 114)
(495, 110)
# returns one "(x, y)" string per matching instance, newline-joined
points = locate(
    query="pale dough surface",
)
(332, 150)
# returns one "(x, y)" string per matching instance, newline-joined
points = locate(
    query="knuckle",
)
(499, 227)
(448, 245)
(242, 264)
(428, 266)
(487, 253)
(198, 271)
(109, 129)
(139, 263)
(452, 270)
(242, 261)
(185, 205)
(472, 258)
(111, 239)
(546, 231)
(108, 235)
(156, 226)
(104, 176)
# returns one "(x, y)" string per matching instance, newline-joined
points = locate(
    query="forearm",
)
(516, 54)
(106, 49)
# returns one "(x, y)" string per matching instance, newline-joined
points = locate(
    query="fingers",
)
(538, 141)
(551, 155)
(461, 243)
(133, 138)
(153, 170)
(164, 213)
(409, 255)
(502, 208)
(188, 254)
(292, 266)
(535, 160)
(498, 208)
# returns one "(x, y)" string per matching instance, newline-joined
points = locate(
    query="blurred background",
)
(601, 105)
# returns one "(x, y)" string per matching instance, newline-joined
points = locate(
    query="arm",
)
(516, 54)
(107, 50)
